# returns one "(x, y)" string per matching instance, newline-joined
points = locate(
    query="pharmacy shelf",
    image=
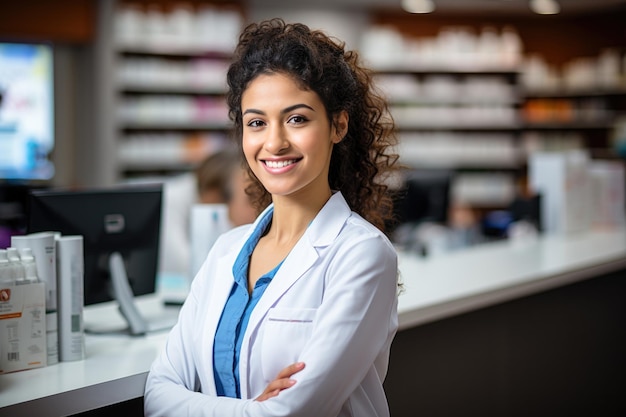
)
(590, 112)
(171, 125)
(168, 64)
(170, 51)
(447, 70)
(157, 168)
(463, 119)
(603, 124)
(412, 126)
(172, 88)
(184, 101)
(577, 93)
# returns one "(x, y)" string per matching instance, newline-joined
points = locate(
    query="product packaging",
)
(608, 179)
(208, 221)
(562, 180)
(22, 326)
(43, 247)
(70, 273)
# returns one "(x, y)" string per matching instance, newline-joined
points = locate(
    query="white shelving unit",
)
(455, 98)
(169, 82)
(586, 117)
(464, 120)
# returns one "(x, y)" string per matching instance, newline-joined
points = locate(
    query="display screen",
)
(26, 111)
(123, 219)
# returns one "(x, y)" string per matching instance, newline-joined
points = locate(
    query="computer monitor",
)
(120, 228)
(424, 197)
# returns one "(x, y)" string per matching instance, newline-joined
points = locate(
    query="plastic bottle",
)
(6, 274)
(16, 265)
(30, 267)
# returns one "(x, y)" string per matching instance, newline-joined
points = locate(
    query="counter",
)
(483, 275)
(435, 289)
(513, 329)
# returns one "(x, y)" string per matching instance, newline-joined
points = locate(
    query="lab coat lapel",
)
(219, 292)
(301, 258)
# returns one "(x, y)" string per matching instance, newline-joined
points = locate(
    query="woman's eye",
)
(255, 123)
(297, 119)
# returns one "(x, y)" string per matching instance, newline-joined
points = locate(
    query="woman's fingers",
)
(283, 381)
(290, 370)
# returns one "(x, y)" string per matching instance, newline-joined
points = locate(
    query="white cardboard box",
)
(22, 327)
(563, 181)
(608, 179)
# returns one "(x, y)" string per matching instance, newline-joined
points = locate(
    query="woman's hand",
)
(283, 381)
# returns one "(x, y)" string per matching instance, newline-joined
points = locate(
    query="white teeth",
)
(279, 164)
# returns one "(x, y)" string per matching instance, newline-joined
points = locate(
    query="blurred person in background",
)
(218, 179)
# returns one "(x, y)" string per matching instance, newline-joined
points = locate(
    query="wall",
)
(67, 21)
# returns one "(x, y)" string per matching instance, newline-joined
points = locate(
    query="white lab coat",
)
(331, 305)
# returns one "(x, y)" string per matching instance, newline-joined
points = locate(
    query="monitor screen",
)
(424, 197)
(121, 219)
(26, 111)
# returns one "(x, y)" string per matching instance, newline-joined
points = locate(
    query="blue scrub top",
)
(236, 314)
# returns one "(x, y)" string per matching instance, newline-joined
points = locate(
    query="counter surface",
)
(483, 275)
(116, 366)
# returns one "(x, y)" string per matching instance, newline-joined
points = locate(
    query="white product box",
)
(563, 181)
(22, 327)
(43, 246)
(608, 185)
(70, 275)
(207, 223)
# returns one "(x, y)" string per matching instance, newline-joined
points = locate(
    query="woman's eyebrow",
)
(296, 106)
(253, 111)
(285, 110)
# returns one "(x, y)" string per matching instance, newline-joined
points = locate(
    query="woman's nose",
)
(276, 140)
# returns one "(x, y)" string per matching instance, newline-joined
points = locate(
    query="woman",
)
(295, 314)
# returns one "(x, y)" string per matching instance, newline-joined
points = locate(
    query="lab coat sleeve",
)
(172, 384)
(355, 322)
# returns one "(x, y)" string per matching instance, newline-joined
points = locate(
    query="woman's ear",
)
(340, 126)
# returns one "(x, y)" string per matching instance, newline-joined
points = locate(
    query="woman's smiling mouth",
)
(279, 164)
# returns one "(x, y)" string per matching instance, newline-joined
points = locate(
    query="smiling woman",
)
(297, 311)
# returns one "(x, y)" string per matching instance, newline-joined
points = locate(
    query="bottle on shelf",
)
(6, 273)
(15, 263)
(30, 267)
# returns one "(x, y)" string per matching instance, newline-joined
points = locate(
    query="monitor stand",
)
(138, 314)
(137, 325)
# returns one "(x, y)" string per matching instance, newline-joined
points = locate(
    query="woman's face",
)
(287, 137)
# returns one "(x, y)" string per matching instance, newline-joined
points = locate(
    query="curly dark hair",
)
(361, 162)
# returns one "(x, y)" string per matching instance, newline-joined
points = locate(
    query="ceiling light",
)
(545, 6)
(418, 6)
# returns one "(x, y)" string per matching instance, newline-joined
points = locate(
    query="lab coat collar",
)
(329, 221)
